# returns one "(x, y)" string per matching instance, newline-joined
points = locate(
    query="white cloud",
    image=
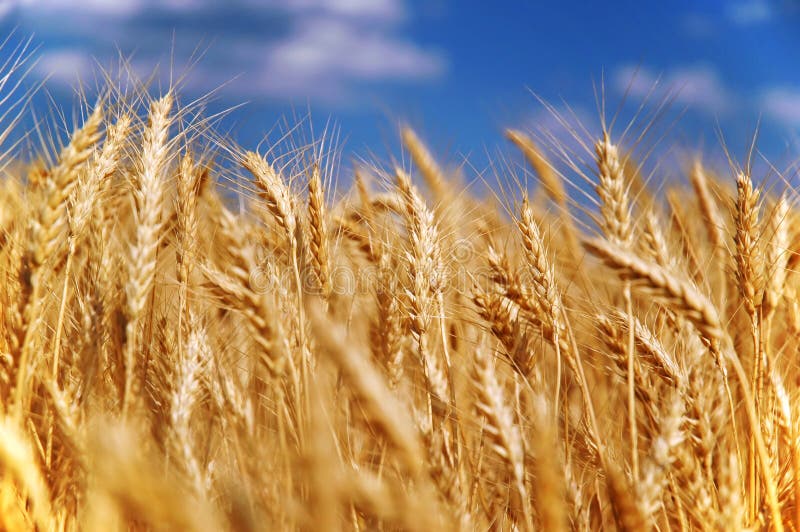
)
(294, 49)
(374, 9)
(702, 89)
(102, 7)
(781, 104)
(695, 86)
(326, 48)
(749, 12)
(378, 9)
(65, 66)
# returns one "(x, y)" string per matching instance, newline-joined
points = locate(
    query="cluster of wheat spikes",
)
(404, 356)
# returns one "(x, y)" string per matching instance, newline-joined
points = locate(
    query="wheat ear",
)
(678, 293)
(60, 186)
(746, 259)
(712, 219)
(149, 196)
(48, 228)
(618, 228)
(318, 243)
(430, 170)
(425, 263)
(544, 170)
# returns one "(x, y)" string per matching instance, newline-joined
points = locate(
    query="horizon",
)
(367, 67)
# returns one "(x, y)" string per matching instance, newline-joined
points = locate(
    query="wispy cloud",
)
(65, 66)
(702, 89)
(380, 9)
(696, 86)
(286, 49)
(782, 104)
(325, 54)
(107, 7)
(748, 12)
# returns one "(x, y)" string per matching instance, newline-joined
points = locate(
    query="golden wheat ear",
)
(318, 227)
(149, 200)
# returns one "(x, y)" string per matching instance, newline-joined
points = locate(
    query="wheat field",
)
(196, 336)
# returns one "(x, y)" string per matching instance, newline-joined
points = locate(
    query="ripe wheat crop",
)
(195, 336)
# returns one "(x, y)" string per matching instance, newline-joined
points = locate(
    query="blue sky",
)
(458, 71)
